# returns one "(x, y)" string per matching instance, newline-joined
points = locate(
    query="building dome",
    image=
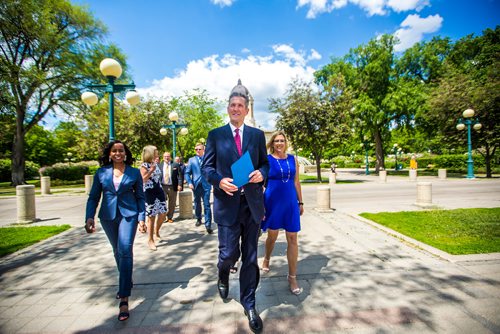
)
(240, 90)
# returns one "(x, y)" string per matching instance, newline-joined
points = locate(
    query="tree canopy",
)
(47, 53)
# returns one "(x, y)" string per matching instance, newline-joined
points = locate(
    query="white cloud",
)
(223, 3)
(405, 5)
(413, 29)
(264, 76)
(317, 7)
(372, 7)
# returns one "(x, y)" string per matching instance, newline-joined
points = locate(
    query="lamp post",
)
(469, 120)
(395, 147)
(69, 158)
(366, 146)
(112, 70)
(174, 117)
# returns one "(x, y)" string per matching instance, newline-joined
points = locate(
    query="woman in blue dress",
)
(156, 206)
(283, 201)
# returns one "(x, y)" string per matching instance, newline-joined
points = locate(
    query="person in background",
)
(122, 207)
(182, 170)
(283, 201)
(156, 206)
(238, 211)
(171, 183)
(413, 162)
(200, 187)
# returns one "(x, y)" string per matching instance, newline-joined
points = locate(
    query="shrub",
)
(30, 170)
(67, 171)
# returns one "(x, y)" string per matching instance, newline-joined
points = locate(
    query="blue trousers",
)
(229, 252)
(121, 234)
(199, 194)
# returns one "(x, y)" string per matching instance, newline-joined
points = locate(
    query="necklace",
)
(282, 174)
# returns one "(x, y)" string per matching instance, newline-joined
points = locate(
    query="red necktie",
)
(237, 140)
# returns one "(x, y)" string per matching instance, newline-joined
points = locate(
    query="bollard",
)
(25, 196)
(45, 185)
(89, 179)
(424, 194)
(185, 204)
(323, 198)
(382, 174)
(333, 178)
(442, 174)
(413, 175)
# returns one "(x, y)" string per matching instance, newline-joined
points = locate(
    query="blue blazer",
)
(193, 174)
(220, 154)
(128, 199)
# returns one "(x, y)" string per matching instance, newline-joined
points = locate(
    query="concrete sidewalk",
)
(357, 278)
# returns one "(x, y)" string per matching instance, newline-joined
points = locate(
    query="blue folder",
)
(241, 169)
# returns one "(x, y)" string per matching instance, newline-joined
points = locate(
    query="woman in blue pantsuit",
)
(122, 207)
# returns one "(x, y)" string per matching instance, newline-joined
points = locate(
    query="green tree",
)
(470, 80)
(47, 53)
(200, 113)
(313, 119)
(67, 136)
(140, 125)
(387, 93)
(42, 148)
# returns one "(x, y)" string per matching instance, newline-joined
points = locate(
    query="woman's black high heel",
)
(122, 316)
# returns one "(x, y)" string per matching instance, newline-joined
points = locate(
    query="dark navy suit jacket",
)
(220, 154)
(128, 199)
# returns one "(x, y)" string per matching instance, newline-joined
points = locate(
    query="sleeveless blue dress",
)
(280, 197)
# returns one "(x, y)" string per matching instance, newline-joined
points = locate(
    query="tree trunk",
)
(318, 167)
(379, 152)
(487, 161)
(18, 159)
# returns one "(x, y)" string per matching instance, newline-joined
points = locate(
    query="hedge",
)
(452, 162)
(30, 170)
(69, 171)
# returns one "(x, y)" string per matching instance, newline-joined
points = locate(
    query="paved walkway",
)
(357, 278)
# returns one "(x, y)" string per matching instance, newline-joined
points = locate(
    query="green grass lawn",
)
(15, 238)
(7, 190)
(461, 231)
(309, 179)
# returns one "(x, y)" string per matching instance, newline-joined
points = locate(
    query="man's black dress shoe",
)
(254, 320)
(209, 230)
(198, 222)
(223, 289)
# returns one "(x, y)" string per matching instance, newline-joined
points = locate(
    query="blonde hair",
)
(270, 146)
(148, 153)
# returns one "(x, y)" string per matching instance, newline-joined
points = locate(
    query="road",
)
(363, 194)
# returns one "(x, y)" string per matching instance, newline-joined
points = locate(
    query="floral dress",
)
(155, 197)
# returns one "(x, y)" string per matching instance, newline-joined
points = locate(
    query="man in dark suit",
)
(238, 211)
(171, 182)
(200, 187)
(182, 169)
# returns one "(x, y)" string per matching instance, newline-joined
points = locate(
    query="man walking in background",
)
(171, 183)
(200, 187)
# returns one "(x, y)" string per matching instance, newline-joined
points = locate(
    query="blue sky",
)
(174, 46)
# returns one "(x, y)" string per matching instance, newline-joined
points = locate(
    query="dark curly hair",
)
(104, 159)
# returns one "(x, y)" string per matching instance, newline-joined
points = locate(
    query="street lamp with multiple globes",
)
(112, 70)
(469, 120)
(174, 117)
